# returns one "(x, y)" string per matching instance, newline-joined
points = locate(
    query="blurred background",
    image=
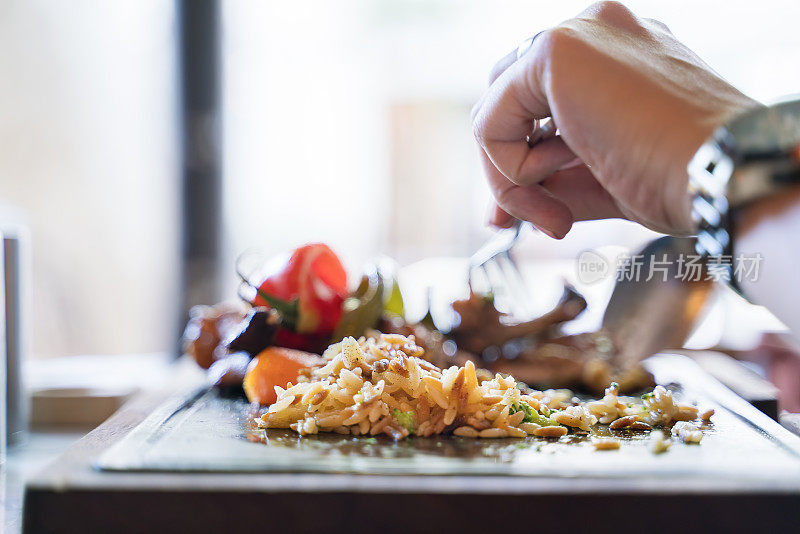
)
(145, 144)
(345, 122)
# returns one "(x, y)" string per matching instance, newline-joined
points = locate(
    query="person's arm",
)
(770, 229)
(632, 105)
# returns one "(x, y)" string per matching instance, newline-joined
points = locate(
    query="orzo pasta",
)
(383, 385)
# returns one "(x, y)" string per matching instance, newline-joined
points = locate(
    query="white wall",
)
(88, 160)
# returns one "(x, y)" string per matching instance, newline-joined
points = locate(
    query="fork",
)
(494, 258)
(499, 269)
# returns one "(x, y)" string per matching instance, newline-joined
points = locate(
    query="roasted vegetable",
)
(255, 333)
(275, 366)
(393, 305)
(363, 309)
(308, 291)
(378, 295)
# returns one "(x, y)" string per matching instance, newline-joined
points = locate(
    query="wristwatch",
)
(754, 156)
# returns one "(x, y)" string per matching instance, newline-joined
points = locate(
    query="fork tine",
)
(516, 290)
(497, 286)
(478, 279)
(500, 270)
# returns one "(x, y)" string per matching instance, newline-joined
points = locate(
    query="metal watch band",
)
(752, 157)
(710, 171)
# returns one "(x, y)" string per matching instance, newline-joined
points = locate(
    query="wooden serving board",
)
(188, 465)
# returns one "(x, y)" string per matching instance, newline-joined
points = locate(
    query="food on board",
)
(489, 376)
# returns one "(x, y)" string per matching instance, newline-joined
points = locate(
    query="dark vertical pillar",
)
(200, 122)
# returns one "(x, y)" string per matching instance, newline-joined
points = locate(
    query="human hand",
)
(632, 105)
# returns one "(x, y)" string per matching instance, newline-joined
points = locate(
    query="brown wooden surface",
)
(71, 496)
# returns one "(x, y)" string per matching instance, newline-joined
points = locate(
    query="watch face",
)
(765, 132)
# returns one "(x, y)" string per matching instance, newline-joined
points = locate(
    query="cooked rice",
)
(383, 385)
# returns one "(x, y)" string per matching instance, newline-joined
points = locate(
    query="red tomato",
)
(315, 280)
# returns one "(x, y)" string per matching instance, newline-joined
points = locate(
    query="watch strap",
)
(710, 172)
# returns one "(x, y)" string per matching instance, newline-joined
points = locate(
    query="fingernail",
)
(548, 232)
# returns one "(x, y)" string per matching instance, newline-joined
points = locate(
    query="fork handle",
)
(547, 128)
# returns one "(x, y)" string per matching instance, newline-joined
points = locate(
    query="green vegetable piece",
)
(406, 419)
(531, 415)
(289, 309)
(393, 298)
(542, 420)
(522, 406)
(362, 310)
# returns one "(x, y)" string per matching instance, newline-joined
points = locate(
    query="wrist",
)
(746, 173)
(710, 165)
(690, 140)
